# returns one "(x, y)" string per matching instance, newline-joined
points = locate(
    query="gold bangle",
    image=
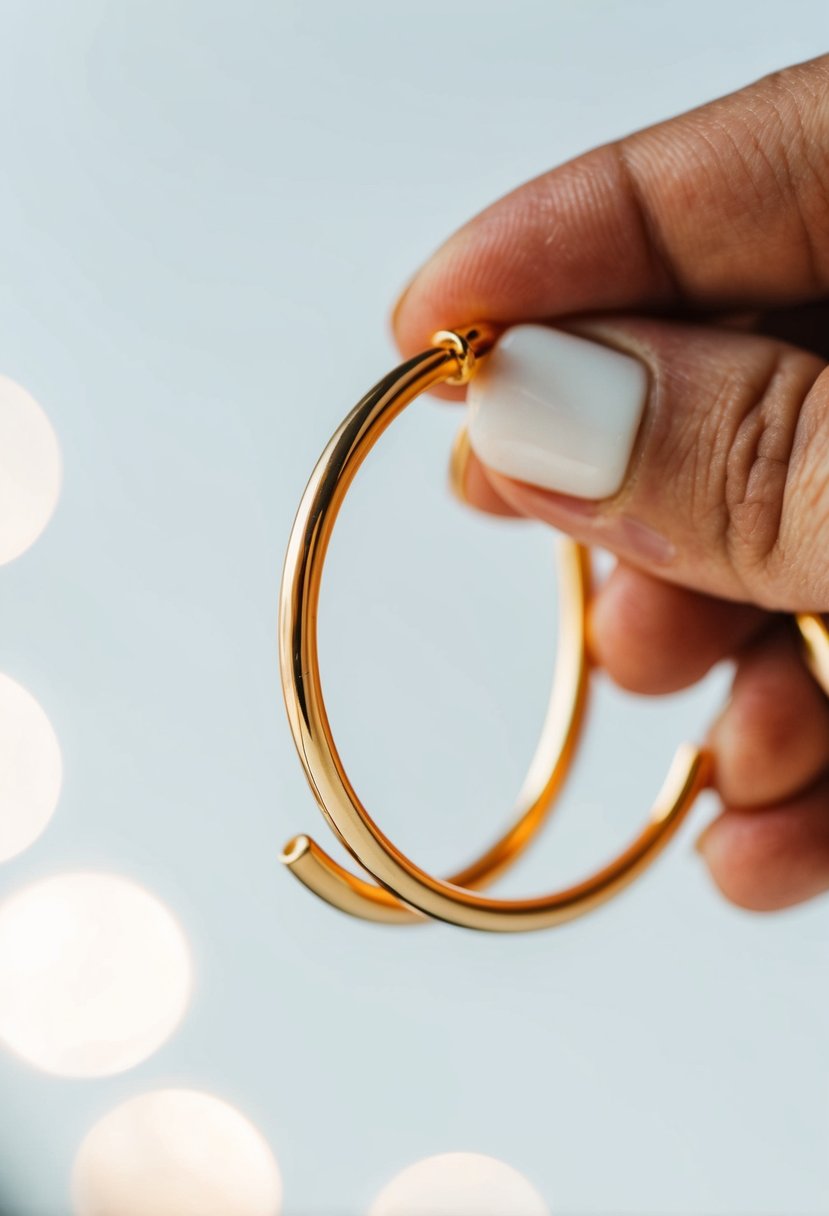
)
(545, 777)
(407, 892)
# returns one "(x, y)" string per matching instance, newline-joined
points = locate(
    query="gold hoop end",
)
(296, 848)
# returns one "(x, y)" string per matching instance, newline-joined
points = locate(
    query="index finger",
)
(724, 207)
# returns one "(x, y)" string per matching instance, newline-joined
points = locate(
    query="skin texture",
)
(700, 245)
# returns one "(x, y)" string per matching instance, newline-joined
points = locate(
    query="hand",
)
(699, 247)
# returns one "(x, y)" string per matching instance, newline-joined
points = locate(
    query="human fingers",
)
(769, 858)
(700, 455)
(721, 207)
(772, 739)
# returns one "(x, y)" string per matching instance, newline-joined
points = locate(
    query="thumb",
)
(700, 454)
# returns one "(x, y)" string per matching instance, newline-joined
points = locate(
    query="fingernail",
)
(557, 411)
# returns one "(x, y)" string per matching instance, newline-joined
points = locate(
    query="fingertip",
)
(429, 302)
(630, 634)
(772, 739)
(736, 855)
(771, 858)
(412, 328)
(653, 637)
(397, 309)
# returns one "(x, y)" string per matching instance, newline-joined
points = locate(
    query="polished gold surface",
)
(407, 892)
(546, 774)
(815, 638)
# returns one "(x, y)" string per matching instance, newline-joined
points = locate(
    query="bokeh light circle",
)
(459, 1184)
(175, 1152)
(30, 470)
(30, 769)
(95, 974)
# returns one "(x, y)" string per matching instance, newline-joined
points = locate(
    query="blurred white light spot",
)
(176, 1152)
(30, 470)
(459, 1184)
(30, 769)
(94, 974)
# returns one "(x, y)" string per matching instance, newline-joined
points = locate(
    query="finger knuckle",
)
(759, 442)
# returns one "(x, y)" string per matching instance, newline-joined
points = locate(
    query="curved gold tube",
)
(452, 360)
(546, 774)
(815, 638)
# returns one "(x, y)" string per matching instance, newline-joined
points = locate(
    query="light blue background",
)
(206, 210)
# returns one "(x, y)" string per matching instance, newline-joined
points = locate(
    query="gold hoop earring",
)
(545, 777)
(405, 893)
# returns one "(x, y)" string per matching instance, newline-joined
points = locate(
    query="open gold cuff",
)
(400, 892)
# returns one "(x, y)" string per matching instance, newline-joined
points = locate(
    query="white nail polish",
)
(557, 411)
